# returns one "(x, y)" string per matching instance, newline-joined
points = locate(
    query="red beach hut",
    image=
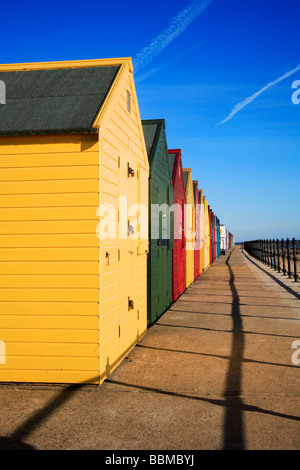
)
(214, 236)
(179, 201)
(211, 236)
(197, 230)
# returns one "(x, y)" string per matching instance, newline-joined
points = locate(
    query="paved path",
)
(216, 372)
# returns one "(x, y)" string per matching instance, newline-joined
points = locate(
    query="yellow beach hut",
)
(190, 225)
(202, 231)
(73, 179)
(206, 234)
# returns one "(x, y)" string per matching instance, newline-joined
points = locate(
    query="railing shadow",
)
(274, 278)
(234, 434)
(15, 441)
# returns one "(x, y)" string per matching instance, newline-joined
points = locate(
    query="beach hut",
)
(223, 247)
(197, 231)
(214, 236)
(190, 226)
(179, 202)
(73, 277)
(202, 232)
(159, 285)
(206, 235)
(218, 238)
(211, 236)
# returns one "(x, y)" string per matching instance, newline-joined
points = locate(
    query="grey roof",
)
(172, 159)
(54, 101)
(185, 175)
(195, 188)
(150, 130)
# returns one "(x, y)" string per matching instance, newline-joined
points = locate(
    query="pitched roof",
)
(150, 129)
(185, 175)
(172, 159)
(54, 101)
(195, 187)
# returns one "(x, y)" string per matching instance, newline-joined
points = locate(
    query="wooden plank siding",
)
(49, 267)
(179, 226)
(73, 283)
(159, 266)
(190, 228)
(124, 277)
(197, 231)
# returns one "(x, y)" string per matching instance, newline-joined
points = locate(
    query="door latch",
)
(130, 171)
(130, 229)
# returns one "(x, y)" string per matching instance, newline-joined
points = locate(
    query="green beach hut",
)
(159, 264)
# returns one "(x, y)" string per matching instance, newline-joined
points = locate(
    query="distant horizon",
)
(254, 239)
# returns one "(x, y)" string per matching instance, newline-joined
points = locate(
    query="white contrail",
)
(176, 26)
(251, 98)
(151, 72)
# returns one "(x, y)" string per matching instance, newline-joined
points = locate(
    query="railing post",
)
(283, 257)
(288, 257)
(268, 258)
(266, 252)
(271, 254)
(275, 255)
(295, 259)
(278, 257)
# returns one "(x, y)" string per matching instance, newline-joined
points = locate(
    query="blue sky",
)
(219, 53)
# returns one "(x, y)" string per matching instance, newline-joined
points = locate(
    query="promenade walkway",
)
(216, 372)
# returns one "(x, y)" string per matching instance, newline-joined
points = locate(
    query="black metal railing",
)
(281, 255)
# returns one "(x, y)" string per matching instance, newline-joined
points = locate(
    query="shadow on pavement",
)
(287, 288)
(234, 435)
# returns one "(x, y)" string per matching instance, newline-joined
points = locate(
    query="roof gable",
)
(175, 162)
(187, 172)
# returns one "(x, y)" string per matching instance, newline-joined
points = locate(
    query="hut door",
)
(129, 191)
(165, 226)
(182, 248)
